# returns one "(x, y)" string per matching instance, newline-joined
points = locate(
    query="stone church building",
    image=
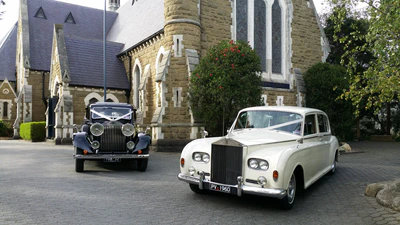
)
(52, 60)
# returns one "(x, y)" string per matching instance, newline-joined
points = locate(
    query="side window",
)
(323, 123)
(310, 125)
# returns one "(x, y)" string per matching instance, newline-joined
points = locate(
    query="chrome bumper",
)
(240, 187)
(107, 156)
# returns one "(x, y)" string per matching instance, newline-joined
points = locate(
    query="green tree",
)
(226, 80)
(324, 83)
(380, 82)
(340, 51)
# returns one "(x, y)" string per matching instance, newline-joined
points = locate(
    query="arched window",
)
(136, 83)
(276, 38)
(260, 32)
(262, 24)
(5, 109)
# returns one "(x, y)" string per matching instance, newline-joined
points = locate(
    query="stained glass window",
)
(276, 38)
(241, 20)
(260, 38)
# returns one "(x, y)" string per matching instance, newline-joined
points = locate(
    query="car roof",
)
(293, 109)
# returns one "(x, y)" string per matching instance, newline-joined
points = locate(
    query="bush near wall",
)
(33, 131)
(6, 129)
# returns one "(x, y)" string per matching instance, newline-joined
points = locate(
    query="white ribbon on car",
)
(108, 117)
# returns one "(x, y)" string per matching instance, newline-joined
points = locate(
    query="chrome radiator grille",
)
(112, 140)
(226, 163)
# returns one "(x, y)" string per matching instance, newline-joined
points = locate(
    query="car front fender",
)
(79, 140)
(143, 143)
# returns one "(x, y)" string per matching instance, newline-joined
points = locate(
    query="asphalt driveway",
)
(38, 185)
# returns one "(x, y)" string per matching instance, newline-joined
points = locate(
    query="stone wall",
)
(40, 83)
(306, 36)
(216, 22)
(145, 54)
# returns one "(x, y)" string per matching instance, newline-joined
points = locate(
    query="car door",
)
(324, 134)
(313, 145)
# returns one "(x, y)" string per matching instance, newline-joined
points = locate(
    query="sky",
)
(11, 11)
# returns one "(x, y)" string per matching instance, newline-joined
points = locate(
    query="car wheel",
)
(333, 165)
(79, 165)
(288, 201)
(142, 164)
(195, 188)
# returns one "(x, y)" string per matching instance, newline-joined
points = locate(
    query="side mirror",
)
(300, 141)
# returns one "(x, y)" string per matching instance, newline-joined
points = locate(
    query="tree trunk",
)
(388, 123)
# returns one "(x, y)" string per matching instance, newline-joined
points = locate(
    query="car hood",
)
(261, 136)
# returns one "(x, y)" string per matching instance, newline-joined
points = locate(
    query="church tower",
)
(173, 124)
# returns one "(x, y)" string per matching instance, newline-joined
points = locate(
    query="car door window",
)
(310, 125)
(323, 123)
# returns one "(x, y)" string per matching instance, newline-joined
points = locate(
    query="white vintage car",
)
(269, 151)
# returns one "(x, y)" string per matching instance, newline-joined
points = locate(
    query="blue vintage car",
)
(110, 135)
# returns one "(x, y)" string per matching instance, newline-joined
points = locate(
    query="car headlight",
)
(201, 157)
(206, 158)
(258, 164)
(97, 129)
(197, 157)
(253, 163)
(128, 129)
(263, 165)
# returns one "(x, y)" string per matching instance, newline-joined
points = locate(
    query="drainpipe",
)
(43, 82)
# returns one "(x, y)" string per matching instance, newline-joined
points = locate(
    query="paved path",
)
(38, 185)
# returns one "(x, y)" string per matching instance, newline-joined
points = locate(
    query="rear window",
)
(111, 112)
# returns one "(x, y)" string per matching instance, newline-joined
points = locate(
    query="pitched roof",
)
(85, 61)
(136, 22)
(8, 55)
(88, 24)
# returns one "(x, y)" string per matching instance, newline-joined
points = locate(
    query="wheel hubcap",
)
(291, 189)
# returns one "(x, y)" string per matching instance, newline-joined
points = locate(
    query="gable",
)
(6, 90)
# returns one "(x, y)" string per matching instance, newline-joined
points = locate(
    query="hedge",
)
(33, 131)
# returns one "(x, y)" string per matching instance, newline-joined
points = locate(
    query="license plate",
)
(112, 160)
(220, 188)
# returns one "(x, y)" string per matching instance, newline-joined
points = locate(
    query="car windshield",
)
(274, 120)
(111, 113)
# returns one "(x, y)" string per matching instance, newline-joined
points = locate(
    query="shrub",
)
(225, 81)
(6, 129)
(324, 83)
(34, 131)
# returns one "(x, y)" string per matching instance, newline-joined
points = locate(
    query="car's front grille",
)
(226, 163)
(112, 140)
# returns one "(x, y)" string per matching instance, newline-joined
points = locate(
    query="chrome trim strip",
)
(267, 192)
(102, 156)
